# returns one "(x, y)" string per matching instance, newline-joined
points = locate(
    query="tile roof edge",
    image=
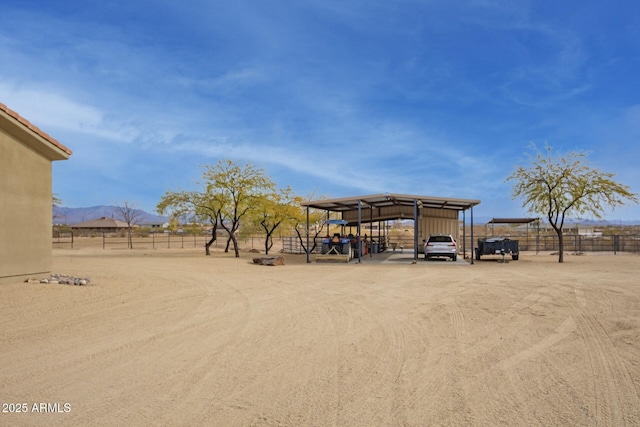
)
(34, 128)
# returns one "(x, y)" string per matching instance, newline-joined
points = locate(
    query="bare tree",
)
(56, 202)
(131, 215)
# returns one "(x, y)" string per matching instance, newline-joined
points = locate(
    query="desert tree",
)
(202, 205)
(317, 221)
(131, 215)
(558, 186)
(55, 202)
(238, 189)
(228, 194)
(273, 210)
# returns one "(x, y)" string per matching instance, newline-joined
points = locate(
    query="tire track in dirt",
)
(180, 368)
(273, 352)
(135, 343)
(615, 400)
(366, 359)
(561, 332)
(426, 397)
(463, 359)
(370, 355)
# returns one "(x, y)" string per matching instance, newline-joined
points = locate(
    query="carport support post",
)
(415, 230)
(472, 250)
(464, 233)
(307, 251)
(371, 231)
(538, 236)
(328, 223)
(359, 229)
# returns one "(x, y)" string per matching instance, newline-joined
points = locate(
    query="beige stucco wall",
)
(25, 210)
(437, 221)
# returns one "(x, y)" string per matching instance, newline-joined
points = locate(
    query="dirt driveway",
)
(171, 337)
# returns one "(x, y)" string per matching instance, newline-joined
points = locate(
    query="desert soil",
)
(171, 337)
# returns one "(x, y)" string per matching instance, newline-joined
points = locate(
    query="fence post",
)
(103, 241)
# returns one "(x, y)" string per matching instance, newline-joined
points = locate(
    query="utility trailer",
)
(497, 246)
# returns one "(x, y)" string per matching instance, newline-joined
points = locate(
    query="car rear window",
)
(440, 239)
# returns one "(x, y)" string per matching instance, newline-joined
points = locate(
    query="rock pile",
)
(62, 280)
(278, 260)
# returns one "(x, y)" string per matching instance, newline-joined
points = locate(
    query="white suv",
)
(440, 245)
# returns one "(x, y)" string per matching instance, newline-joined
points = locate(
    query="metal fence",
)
(573, 243)
(62, 238)
(120, 240)
(291, 244)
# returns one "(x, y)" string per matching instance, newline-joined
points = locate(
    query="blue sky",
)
(336, 98)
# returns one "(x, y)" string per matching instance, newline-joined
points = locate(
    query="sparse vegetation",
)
(558, 186)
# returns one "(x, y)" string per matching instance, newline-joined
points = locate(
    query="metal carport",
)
(391, 206)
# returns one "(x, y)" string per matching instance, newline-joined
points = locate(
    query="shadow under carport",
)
(406, 257)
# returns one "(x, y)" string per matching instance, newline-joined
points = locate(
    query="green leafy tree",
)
(238, 189)
(229, 193)
(274, 210)
(560, 186)
(317, 222)
(205, 206)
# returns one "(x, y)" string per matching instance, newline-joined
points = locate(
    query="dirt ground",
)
(171, 337)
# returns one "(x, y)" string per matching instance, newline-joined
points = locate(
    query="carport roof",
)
(511, 220)
(390, 199)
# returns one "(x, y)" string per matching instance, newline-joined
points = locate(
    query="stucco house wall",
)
(25, 197)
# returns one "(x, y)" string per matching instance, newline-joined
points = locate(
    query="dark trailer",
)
(501, 245)
(497, 246)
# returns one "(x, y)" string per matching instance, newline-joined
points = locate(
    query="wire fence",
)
(291, 244)
(120, 240)
(573, 243)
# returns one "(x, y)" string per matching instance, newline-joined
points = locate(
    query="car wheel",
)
(454, 258)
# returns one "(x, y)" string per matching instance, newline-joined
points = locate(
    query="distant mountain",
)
(62, 215)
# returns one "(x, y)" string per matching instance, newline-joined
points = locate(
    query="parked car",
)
(440, 245)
